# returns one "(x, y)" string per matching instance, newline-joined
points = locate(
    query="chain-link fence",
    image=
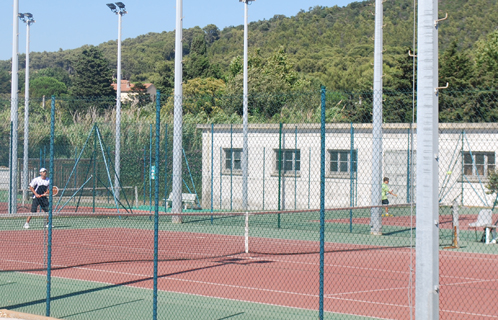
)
(114, 241)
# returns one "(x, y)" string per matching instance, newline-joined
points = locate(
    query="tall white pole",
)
(29, 21)
(427, 251)
(117, 158)
(245, 117)
(13, 109)
(375, 213)
(176, 206)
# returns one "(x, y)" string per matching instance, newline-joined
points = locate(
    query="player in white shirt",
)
(40, 188)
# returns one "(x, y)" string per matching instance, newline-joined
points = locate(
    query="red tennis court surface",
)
(445, 222)
(359, 279)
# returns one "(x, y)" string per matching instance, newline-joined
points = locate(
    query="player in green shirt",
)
(385, 191)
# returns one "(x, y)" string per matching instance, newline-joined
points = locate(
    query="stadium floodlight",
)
(245, 114)
(28, 19)
(117, 160)
(111, 6)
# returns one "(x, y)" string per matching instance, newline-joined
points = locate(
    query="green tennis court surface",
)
(103, 301)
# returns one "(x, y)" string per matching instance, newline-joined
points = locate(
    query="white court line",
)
(471, 314)
(365, 291)
(361, 268)
(328, 296)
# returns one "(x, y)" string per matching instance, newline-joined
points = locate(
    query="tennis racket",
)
(55, 191)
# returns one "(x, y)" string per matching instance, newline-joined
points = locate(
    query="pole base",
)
(176, 219)
(376, 233)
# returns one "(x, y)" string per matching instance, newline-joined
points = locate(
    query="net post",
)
(50, 210)
(246, 235)
(456, 224)
(136, 197)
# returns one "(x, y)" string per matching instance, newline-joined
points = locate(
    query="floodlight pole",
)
(120, 11)
(13, 110)
(28, 19)
(176, 203)
(427, 251)
(245, 115)
(375, 213)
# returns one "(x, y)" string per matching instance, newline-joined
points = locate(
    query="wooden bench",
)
(187, 198)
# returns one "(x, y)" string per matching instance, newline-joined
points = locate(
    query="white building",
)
(467, 156)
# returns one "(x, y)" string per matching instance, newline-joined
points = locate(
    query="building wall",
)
(301, 189)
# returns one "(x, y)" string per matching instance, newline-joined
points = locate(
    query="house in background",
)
(129, 92)
(467, 156)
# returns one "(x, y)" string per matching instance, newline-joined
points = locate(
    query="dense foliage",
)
(330, 46)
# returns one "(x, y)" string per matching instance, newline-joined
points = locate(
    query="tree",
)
(46, 86)
(198, 65)
(93, 77)
(164, 78)
(212, 33)
(57, 73)
(272, 83)
(4, 82)
(486, 58)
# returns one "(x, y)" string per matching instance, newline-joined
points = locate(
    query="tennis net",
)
(82, 239)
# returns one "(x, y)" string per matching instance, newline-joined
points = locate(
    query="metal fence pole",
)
(10, 166)
(14, 97)
(94, 155)
(351, 177)
(26, 119)
(322, 203)
(165, 166)
(295, 170)
(145, 175)
(221, 174)
(279, 171)
(212, 169)
(50, 210)
(376, 182)
(427, 233)
(150, 167)
(176, 206)
(231, 167)
(156, 205)
(264, 167)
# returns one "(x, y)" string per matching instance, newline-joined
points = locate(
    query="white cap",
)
(43, 169)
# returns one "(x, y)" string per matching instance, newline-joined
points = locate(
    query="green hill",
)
(331, 44)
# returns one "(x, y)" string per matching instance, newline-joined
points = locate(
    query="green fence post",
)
(322, 203)
(156, 206)
(279, 172)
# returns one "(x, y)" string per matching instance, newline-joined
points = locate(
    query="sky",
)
(71, 24)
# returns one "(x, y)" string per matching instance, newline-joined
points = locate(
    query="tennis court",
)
(204, 269)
